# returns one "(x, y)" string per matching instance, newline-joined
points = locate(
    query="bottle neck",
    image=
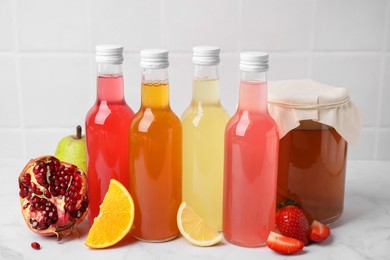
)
(155, 88)
(110, 82)
(205, 87)
(253, 92)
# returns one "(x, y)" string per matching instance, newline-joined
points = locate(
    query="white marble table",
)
(363, 231)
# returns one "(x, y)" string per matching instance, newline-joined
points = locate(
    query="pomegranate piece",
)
(53, 196)
(36, 245)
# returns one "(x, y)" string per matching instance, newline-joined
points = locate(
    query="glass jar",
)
(312, 164)
(316, 123)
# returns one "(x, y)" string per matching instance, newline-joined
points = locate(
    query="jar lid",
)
(205, 55)
(154, 59)
(109, 53)
(292, 101)
(254, 61)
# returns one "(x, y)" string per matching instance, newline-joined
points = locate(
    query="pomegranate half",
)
(53, 196)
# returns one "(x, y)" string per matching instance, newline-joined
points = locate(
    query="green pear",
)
(72, 149)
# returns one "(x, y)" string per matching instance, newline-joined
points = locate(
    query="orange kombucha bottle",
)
(156, 154)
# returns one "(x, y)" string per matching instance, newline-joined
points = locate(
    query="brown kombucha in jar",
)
(317, 123)
(312, 164)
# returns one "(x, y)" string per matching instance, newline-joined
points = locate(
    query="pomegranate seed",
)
(34, 224)
(26, 179)
(23, 193)
(36, 169)
(33, 186)
(38, 176)
(36, 245)
(47, 194)
(56, 162)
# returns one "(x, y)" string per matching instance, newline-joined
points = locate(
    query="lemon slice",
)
(115, 219)
(194, 229)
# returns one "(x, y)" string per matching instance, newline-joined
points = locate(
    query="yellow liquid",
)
(204, 123)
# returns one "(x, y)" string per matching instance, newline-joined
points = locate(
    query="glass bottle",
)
(155, 154)
(107, 127)
(251, 159)
(204, 123)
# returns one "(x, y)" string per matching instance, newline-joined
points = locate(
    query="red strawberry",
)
(284, 245)
(318, 231)
(292, 222)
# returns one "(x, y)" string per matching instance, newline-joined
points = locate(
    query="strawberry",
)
(284, 245)
(292, 222)
(318, 231)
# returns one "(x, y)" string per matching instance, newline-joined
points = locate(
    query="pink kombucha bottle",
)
(107, 128)
(251, 159)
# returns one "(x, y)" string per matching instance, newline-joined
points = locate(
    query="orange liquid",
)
(155, 166)
(312, 167)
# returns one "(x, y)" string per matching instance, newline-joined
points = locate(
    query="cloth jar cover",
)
(290, 101)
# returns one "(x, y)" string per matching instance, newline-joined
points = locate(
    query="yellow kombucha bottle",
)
(204, 123)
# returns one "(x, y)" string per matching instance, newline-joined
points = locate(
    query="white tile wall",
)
(43, 141)
(45, 25)
(276, 25)
(189, 23)
(350, 24)
(360, 73)
(136, 24)
(6, 26)
(385, 96)
(383, 146)
(366, 149)
(288, 66)
(47, 67)
(11, 141)
(55, 89)
(10, 102)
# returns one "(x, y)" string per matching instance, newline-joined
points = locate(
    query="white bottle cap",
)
(109, 53)
(154, 59)
(254, 61)
(205, 55)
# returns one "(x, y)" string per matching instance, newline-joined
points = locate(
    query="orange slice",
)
(194, 229)
(115, 219)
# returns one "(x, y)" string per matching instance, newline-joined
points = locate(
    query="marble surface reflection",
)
(362, 232)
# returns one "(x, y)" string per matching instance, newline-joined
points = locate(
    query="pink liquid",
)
(251, 141)
(107, 131)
